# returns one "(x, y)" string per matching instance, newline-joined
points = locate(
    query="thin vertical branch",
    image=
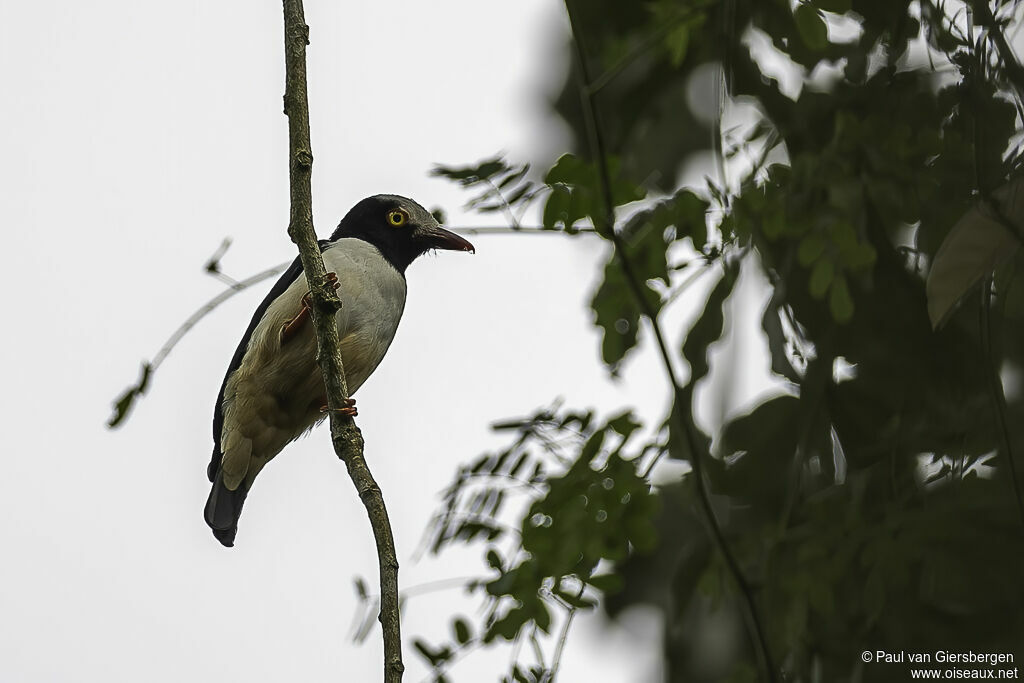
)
(991, 366)
(563, 638)
(347, 440)
(606, 228)
(996, 389)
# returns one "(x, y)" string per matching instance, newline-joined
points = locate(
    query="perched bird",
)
(273, 391)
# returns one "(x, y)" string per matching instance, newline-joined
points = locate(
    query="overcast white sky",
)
(134, 137)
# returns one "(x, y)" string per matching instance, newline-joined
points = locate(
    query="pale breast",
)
(276, 393)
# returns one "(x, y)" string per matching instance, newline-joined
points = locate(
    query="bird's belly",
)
(284, 391)
(277, 392)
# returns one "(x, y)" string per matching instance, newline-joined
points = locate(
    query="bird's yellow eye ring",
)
(397, 217)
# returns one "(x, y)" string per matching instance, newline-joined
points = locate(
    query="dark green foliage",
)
(576, 193)
(869, 503)
(598, 509)
(500, 187)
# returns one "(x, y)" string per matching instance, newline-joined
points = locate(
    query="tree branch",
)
(124, 403)
(516, 229)
(996, 390)
(347, 440)
(636, 286)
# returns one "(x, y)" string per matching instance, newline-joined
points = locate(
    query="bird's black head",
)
(399, 227)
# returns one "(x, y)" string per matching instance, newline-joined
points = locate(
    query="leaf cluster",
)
(871, 501)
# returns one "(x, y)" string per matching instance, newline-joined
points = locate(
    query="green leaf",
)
(677, 40)
(773, 224)
(123, 404)
(836, 6)
(592, 447)
(821, 277)
(469, 175)
(494, 559)
(606, 583)
(575, 599)
(624, 424)
(687, 212)
(811, 247)
(463, 634)
(979, 242)
(542, 616)
(811, 26)
(707, 329)
(645, 246)
(432, 655)
(839, 301)
(617, 314)
(581, 182)
(758, 446)
(556, 209)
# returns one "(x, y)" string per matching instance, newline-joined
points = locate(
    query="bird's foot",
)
(348, 407)
(292, 327)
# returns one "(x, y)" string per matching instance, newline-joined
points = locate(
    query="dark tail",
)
(223, 508)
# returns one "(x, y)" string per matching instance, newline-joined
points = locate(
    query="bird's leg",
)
(348, 407)
(292, 327)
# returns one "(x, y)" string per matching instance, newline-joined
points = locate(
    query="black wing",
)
(287, 278)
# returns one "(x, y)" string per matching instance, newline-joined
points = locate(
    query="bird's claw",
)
(292, 327)
(332, 282)
(348, 407)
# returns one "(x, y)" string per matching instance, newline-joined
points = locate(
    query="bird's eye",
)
(397, 217)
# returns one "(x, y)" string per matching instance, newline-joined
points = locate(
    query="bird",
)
(273, 391)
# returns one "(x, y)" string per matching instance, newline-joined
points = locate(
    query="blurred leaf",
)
(576, 192)
(839, 301)
(811, 26)
(493, 559)
(575, 600)
(821, 277)
(978, 243)
(677, 40)
(434, 656)
(617, 313)
(470, 175)
(463, 633)
(361, 590)
(606, 583)
(836, 6)
(708, 328)
(123, 404)
(811, 248)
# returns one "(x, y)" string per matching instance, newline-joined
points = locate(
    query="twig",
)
(538, 652)
(505, 229)
(985, 320)
(506, 207)
(345, 436)
(124, 403)
(562, 638)
(996, 389)
(636, 286)
(208, 308)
